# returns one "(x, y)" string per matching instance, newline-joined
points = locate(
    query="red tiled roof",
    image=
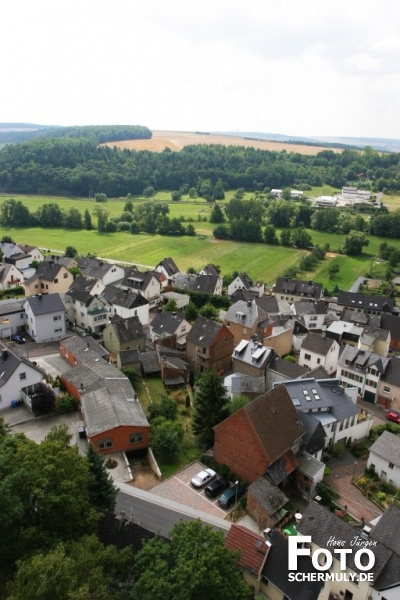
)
(252, 546)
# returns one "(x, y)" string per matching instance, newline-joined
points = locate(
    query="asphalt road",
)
(160, 514)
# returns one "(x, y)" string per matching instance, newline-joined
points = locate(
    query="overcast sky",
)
(297, 67)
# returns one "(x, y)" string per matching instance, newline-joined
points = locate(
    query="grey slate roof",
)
(45, 303)
(4, 270)
(211, 270)
(150, 362)
(8, 307)
(317, 343)
(65, 261)
(253, 353)
(286, 368)
(137, 280)
(127, 329)
(308, 289)
(10, 361)
(359, 360)
(314, 436)
(169, 266)
(326, 394)
(276, 571)
(245, 313)
(387, 529)
(321, 524)
(80, 289)
(392, 373)
(126, 298)
(128, 357)
(361, 318)
(365, 301)
(302, 307)
(268, 495)
(47, 271)
(165, 322)
(94, 267)
(392, 324)
(387, 446)
(203, 332)
(268, 304)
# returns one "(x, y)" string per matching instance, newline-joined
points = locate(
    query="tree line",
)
(78, 166)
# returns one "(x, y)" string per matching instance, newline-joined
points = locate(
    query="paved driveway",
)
(179, 488)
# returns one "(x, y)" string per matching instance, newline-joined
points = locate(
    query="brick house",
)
(209, 345)
(260, 437)
(246, 319)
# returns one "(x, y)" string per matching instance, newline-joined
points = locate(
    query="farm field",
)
(263, 263)
(176, 140)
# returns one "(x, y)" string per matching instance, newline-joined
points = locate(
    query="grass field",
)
(263, 263)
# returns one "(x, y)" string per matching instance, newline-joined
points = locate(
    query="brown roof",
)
(275, 421)
(251, 545)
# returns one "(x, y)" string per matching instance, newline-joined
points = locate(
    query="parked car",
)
(216, 487)
(393, 416)
(203, 478)
(16, 337)
(229, 497)
(81, 432)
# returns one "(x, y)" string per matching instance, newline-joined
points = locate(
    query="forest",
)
(76, 165)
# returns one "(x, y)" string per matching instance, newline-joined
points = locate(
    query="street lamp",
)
(354, 470)
(236, 495)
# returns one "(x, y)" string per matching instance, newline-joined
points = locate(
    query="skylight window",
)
(296, 401)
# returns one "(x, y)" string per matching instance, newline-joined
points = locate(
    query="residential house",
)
(174, 371)
(203, 284)
(12, 317)
(312, 314)
(103, 271)
(392, 323)
(265, 503)
(292, 290)
(275, 582)
(209, 345)
(375, 339)
(123, 334)
(243, 282)
(260, 438)
(345, 333)
(321, 524)
(87, 311)
(389, 385)
(165, 324)
(10, 276)
(16, 373)
(181, 300)
(210, 270)
(127, 303)
(74, 349)
(146, 284)
(280, 370)
(14, 255)
(49, 278)
(251, 358)
(113, 416)
(384, 458)
(385, 532)
(319, 350)
(45, 317)
(150, 363)
(284, 335)
(33, 251)
(129, 359)
(66, 261)
(362, 370)
(168, 267)
(246, 319)
(253, 550)
(329, 404)
(374, 305)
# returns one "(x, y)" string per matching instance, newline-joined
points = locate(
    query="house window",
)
(22, 376)
(228, 324)
(391, 465)
(307, 357)
(385, 388)
(65, 275)
(22, 315)
(106, 443)
(55, 281)
(136, 438)
(47, 287)
(58, 330)
(57, 318)
(318, 361)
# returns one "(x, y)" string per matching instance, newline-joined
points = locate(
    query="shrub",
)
(66, 404)
(338, 450)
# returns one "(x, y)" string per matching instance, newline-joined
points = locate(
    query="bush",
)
(66, 403)
(338, 450)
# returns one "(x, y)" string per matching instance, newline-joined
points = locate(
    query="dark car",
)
(81, 432)
(393, 416)
(16, 337)
(216, 487)
(229, 497)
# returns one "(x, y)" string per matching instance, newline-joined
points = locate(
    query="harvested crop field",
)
(176, 140)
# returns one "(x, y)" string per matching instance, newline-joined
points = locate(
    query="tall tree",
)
(102, 217)
(102, 491)
(87, 220)
(209, 406)
(354, 243)
(195, 565)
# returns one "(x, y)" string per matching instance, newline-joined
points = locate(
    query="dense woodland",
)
(76, 165)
